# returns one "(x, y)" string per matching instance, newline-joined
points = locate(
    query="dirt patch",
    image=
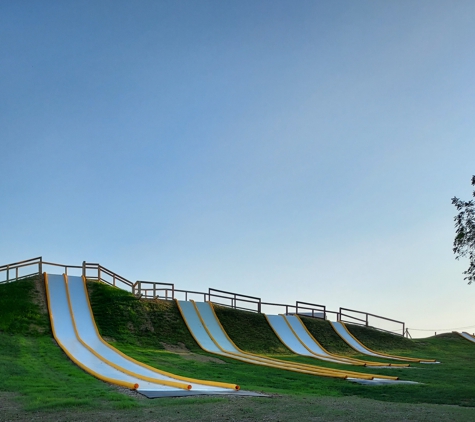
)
(39, 297)
(8, 402)
(128, 392)
(183, 351)
(146, 323)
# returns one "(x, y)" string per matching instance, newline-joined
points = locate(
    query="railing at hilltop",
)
(36, 266)
(364, 319)
(152, 290)
(167, 291)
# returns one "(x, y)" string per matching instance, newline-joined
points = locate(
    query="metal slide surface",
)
(285, 334)
(309, 341)
(87, 330)
(75, 331)
(209, 334)
(467, 336)
(343, 332)
(201, 335)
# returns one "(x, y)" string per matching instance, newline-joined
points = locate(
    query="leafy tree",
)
(464, 242)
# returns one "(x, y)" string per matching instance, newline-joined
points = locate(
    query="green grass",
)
(20, 308)
(123, 318)
(249, 331)
(32, 365)
(37, 369)
(326, 336)
(446, 383)
(383, 341)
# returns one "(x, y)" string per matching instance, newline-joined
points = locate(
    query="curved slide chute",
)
(206, 329)
(353, 342)
(294, 335)
(466, 336)
(75, 331)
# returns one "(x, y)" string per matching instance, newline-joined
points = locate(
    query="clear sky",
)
(292, 150)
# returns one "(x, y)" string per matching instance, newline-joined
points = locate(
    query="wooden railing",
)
(97, 272)
(235, 300)
(157, 290)
(20, 270)
(363, 318)
(36, 266)
(30, 267)
(311, 309)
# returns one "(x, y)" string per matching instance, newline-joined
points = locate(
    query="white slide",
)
(211, 337)
(467, 336)
(343, 332)
(294, 335)
(288, 337)
(75, 331)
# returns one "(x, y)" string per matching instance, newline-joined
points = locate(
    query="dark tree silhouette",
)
(464, 242)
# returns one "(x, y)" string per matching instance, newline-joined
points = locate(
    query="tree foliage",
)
(464, 242)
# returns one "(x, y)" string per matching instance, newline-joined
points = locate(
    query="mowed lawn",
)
(37, 380)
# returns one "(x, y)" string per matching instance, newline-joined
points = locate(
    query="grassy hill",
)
(41, 378)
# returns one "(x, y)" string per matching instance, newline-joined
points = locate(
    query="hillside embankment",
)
(39, 381)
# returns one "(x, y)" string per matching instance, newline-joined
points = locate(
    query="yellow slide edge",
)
(158, 371)
(174, 384)
(129, 385)
(367, 363)
(262, 361)
(280, 363)
(409, 359)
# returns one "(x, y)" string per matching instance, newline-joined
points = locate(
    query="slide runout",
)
(89, 335)
(466, 336)
(304, 335)
(64, 334)
(353, 342)
(193, 314)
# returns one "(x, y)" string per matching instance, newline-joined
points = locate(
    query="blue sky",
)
(292, 150)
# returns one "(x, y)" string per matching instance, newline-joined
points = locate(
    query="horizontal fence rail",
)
(236, 300)
(311, 309)
(363, 318)
(153, 290)
(97, 272)
(21, 269)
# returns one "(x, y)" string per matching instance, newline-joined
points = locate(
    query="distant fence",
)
(167, 291)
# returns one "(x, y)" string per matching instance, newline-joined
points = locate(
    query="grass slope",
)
(446, 383)
(322, 331)
(22, 309)
(124, 319)
(250, 331)
(32, 366)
